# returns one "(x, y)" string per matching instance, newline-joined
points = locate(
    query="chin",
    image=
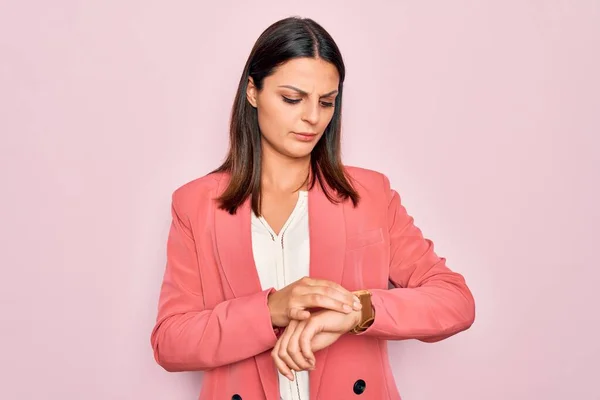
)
(299, 155)
(299, 151)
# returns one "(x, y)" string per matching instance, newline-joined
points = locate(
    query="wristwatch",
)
(367, 312)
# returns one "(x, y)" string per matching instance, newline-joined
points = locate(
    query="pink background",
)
(485, 116)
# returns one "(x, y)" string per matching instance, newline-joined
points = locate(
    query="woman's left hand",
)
(296, 346)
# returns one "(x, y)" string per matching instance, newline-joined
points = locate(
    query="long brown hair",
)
(284, 40)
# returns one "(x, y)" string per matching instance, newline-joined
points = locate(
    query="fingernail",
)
(347, 308)
(357, 305)
(356, 299)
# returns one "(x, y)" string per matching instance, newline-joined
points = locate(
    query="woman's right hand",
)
(294, 300)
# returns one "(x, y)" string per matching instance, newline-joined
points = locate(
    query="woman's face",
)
(295, 105)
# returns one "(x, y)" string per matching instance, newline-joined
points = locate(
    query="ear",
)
(251, 92)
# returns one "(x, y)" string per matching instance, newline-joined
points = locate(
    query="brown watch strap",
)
(367, 312)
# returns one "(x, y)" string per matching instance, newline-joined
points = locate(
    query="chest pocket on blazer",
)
(363, 239)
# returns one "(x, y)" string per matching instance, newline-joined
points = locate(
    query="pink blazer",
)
(213, 314)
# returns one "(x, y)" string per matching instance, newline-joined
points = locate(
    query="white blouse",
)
(280, 260)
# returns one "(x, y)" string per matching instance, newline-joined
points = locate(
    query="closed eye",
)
(291, 101)
(296, 101)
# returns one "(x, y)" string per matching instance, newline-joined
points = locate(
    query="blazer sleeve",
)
(187, 335)
(429, 302)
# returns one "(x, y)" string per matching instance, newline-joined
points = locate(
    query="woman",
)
(278, 262)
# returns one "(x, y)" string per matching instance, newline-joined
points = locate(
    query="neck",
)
(283, 174)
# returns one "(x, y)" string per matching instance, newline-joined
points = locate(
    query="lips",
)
(305, 136)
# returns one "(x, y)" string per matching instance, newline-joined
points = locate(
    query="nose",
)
(311, 112)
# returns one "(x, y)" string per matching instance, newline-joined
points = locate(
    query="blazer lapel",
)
(233, 235)
(234, 245)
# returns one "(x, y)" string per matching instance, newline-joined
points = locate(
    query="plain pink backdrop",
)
(485, 116)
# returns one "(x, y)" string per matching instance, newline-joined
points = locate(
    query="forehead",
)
(307, 74)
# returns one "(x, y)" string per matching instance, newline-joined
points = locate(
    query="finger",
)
(285, 339)
(305, 340)
(329, 284)
(294, 348)
(343, 296)
(299, 314)
(279, 363)
(324, 301)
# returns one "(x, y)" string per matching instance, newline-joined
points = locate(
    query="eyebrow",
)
(305, 93)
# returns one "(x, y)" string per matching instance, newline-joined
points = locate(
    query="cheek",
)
(327, 117)
(275, 118)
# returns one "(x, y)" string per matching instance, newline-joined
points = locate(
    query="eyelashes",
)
(296, 101)
(291, 101)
